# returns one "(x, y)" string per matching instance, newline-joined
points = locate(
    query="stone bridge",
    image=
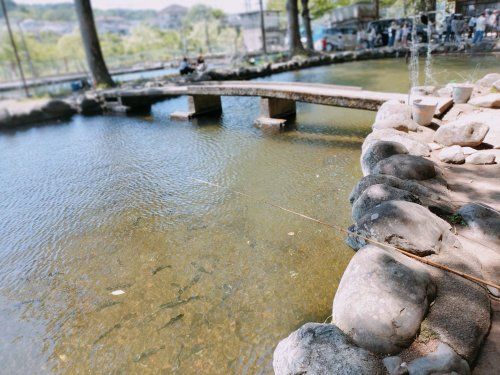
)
(277, 99)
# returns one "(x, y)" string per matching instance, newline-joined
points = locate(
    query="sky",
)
(228, 6)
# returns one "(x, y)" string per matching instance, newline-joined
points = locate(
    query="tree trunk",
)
(377, 9)
(306, 21)
(263, 28)
(294, 44)
(95, 59)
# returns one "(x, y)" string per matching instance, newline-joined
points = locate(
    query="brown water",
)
(212, 280)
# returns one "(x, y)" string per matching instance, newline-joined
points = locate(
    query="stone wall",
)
(391, 313)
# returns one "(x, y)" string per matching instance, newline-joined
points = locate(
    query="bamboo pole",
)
(370, 240)
(14, 47)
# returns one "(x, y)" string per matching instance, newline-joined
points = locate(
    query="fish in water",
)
(172, 321)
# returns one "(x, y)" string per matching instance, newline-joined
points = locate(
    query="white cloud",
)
(229, 6)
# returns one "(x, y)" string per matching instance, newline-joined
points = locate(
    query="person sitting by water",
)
(201, 66)
(184, 67)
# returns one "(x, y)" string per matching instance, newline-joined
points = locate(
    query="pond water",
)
(211, 280)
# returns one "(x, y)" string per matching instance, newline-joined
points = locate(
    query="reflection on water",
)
(211, 281)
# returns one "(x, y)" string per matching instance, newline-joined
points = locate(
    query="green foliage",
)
(456, 219)
(10, 5)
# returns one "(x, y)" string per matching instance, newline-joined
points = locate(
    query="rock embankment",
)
(392, 309)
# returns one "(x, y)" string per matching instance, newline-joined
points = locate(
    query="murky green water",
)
(212, 280)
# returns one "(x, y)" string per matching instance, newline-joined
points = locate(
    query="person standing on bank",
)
(480, 29)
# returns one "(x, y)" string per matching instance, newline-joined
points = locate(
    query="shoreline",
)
(392, 314)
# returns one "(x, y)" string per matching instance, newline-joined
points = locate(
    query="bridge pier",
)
(275, 111)
(200, 105)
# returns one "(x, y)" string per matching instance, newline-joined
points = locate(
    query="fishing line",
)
(343, 230)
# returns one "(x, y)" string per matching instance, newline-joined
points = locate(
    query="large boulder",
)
(411, 186)
(405, 225)
(461, 133)
(488, 80)
(393, 108)
(413, 146)
(89, 105)
(443, 360)
(433, 195)
(322, 349)
(398, 121)
(486, 101)
(483, 220)
(460, 314)
(406, 167)
(452, 155)
(382, 299)
(376, 194)
(480, 158)
(378, 151)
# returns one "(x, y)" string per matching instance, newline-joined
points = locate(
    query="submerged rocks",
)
(382, 299)
(413, 146)
(379, 151)
(376, 194)
(406, 225)
(406, 167)
(461, 133)
(322, 349)
(453, 155)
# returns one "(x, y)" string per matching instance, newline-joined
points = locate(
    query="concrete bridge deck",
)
(277, 98)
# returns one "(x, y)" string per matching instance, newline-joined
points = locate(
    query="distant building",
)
(356, 15)
(115, 25)
(249, 23)
(171, 17)
(38, 26)
(475, 7)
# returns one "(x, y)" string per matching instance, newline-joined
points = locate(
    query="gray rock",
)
(394, 365)
(89, 105)
(483, 220)
(378, 151)
(430, 197)
(480, 158)
(486, 101)
(405, 225)
(488, 80)
(461, 133)
(452, 155)
(460, 314)
(382, 299)
(413, 146)
(406, 167)
(18, 113)
(376, 194)
(442, 361)
(322, 349)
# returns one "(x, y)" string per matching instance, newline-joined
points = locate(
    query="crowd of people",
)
(186, 67)
(454, 28)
